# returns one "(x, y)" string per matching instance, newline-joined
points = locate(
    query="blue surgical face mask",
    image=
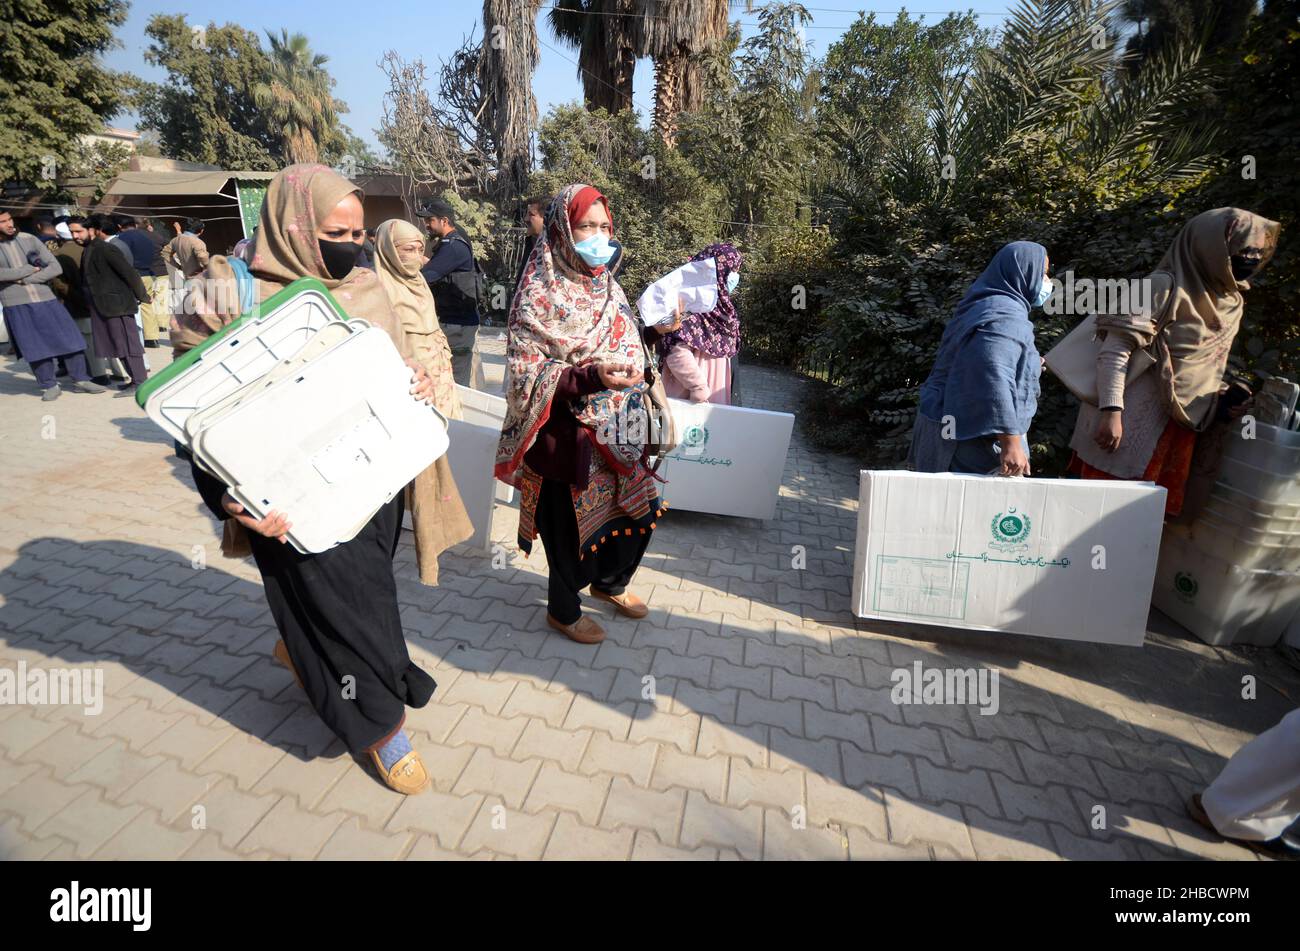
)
(596, 250)
(1044, 292)
(733, 279)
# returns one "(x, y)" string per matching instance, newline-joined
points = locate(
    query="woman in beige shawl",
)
(399, 247)
(1146, 429)
(336, 611)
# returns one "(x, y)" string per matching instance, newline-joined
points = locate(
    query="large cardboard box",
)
(1066, 558)
(729, 461)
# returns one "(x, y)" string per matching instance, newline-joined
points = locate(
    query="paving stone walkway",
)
(769, 732)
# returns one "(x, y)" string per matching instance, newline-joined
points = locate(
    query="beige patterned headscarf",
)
(1202, 312)
(285, 250)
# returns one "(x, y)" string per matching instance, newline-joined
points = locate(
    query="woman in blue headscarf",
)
(977, 404)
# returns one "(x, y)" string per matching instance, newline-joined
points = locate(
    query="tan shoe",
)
(584, 630)
(408, 775)
(628, 604)
(282, 655)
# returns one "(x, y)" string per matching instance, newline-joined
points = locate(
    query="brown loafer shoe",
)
(584, 630)
(628, 604)
(408, 775)
(282, 655)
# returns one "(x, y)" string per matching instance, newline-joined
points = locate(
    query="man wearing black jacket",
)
(114, 290)
(453, 279)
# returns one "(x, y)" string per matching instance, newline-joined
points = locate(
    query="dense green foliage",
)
(1048, 135)
(52, 84)
(664, 209)
(228, 102)
(205, 111)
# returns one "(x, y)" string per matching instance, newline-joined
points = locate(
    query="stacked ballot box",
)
(1069, 559)
(729, 462)
(1232, 576)
(472, 457)
(298, 409)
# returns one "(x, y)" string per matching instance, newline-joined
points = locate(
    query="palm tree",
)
(675, 34)
(1161, 24)
(506, 68)
(298, 95)
(602, 32)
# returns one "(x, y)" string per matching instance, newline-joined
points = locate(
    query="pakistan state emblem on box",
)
(695, 439)
(1010, 531)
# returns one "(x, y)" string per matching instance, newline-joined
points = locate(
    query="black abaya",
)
(338, 616)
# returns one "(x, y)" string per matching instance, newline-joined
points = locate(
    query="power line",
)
(588, 72)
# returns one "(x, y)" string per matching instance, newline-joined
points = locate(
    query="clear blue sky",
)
(354, 39)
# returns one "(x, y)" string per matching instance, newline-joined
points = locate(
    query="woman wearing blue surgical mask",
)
(571, 442)
(977, 404)
(696, 359)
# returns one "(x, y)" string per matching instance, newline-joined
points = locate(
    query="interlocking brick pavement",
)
(769, 732)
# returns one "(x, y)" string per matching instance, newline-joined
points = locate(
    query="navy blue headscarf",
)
(986, 372)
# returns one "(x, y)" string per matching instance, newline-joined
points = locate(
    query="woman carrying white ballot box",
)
(696, 359)
(336, 610)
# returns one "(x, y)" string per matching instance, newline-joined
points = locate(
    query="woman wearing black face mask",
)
(340, 257)
(1146, 429)
(336, 611)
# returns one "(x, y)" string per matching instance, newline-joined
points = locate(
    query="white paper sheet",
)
(696, 283)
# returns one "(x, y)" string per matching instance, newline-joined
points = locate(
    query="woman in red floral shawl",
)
(576, 428)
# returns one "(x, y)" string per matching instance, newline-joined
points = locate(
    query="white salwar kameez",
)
(1257, 795)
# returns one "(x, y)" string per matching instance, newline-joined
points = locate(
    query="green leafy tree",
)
(205, 111)
(876, 99)
(754, 135)
(297, 94)
(52, 82)
(664, 209)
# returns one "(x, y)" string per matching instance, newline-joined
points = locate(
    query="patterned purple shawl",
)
(716, 333)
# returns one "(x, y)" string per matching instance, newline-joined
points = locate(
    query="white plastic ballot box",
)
(1066, 558)
(472, 456)
(297, 408)
(729, 459)
(489, 411)
(329, 444)
(240, 355)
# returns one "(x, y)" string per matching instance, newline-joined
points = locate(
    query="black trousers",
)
(337, 615)
(609, 570)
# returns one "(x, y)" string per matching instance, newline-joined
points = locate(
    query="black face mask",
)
(1243, 267)
(340, 257)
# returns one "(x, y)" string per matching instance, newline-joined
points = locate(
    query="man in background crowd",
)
(46, 233)
(40, 325)
(145, 254)
(67, 288)
(453, 279)
(114, 291)
(534, 220)
(187, 249)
